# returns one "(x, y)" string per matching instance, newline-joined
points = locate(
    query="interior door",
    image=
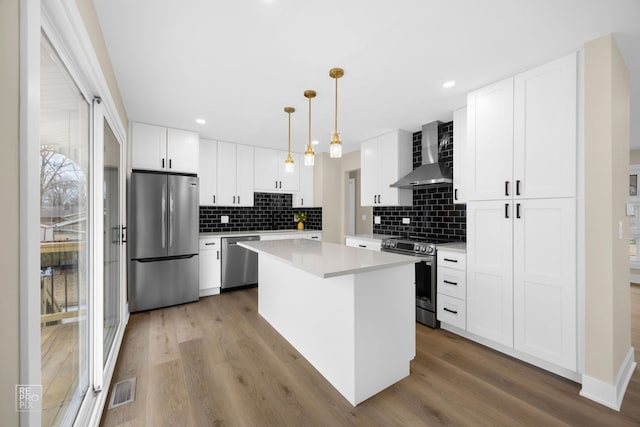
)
(149, 230)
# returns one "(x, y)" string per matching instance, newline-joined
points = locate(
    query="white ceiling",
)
(238, 63)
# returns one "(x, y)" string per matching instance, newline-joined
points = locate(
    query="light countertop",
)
(326, 259)
(454, 247)
(257, 232)
(369, 236)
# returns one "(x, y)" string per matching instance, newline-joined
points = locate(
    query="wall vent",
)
(123, 392)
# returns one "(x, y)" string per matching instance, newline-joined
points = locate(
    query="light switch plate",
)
(376, 220)
(224, 219)
(406, 220)
(364, 217)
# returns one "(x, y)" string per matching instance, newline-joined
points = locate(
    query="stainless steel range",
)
(425, 275)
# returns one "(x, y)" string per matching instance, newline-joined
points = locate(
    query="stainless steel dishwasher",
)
(239, 265)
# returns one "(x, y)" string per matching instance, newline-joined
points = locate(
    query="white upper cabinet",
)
(235, 174)
(384, 160)
(208, 172)
(459, 155)
(183, 151)
(304, 197)
(269, 171)
(544, 280)
(162, 149)
(545, 100)
(149, 145)
(490, 141)
(244, 177)
(521, 135)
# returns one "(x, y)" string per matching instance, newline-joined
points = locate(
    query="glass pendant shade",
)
(288, 165)
(309, 159)
(335, 147)
(309, 155)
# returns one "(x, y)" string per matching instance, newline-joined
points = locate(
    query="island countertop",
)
(326, 259)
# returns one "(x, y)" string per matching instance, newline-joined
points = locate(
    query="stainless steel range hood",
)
(431, 172)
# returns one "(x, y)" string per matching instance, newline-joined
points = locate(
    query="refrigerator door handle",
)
(171, 215)
(164, 215)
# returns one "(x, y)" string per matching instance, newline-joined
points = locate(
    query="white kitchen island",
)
(350, 312)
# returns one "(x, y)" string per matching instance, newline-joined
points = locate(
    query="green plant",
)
(300, 217)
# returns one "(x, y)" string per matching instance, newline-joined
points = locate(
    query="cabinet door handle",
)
(506, 188)
(374, 199)
(517, 187)
(506, 210)
(214, 199)
(455, 194)
(517, 210)
(450, 260)
(162, 163)
(276, 183)
(301, 201)
(238, 199)
(169, 163)
(217, 254)
(314, 237)
(450, 283)
(234, 200)
(210, 244)
(450, 311)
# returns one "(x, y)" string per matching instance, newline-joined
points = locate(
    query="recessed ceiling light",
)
(201, 121)
(448, 84)
(315, 142)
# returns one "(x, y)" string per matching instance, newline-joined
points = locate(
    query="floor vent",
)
(123, 392)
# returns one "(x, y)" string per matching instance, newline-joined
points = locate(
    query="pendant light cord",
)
(336, 117)
(289, 144)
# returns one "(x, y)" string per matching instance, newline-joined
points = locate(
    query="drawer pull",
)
(450, 311)
(451, 260)
(362, 246)
(450, 283)
(210, 244)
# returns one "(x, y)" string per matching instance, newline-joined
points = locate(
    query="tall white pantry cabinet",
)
(521, 213)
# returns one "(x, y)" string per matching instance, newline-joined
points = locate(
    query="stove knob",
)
(430, 250)
(423, 249)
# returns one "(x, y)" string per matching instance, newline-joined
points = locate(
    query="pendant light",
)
(335, 147)
(309, 155)
(288, 164)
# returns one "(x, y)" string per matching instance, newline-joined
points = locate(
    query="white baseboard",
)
(610, 395)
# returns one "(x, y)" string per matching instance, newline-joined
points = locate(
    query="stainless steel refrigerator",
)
(163, 238)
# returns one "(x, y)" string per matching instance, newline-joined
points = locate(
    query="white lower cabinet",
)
(371, 244)
(544, 280)
(521, 276)
(490, 271)
(314, 235)
(451, 288)
(209, 266)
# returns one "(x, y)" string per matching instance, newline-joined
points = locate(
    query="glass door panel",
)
(112, 238)
(65, 244)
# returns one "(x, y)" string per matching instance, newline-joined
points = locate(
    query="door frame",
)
(63, 25)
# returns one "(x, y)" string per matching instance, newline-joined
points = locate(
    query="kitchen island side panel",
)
(357, 330)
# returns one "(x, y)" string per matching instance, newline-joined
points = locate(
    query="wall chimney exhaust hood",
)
(431, 171)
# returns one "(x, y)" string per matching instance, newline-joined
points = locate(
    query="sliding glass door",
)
(65, 240)
(112, 235)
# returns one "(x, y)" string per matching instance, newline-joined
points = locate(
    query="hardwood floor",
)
(59, 355)
(218, 363)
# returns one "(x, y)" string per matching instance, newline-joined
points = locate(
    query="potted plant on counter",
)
(300, 218)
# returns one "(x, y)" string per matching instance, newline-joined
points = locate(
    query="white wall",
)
(10, 190)
(607, 325)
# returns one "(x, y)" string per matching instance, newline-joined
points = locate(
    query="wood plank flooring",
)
(218, 363)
